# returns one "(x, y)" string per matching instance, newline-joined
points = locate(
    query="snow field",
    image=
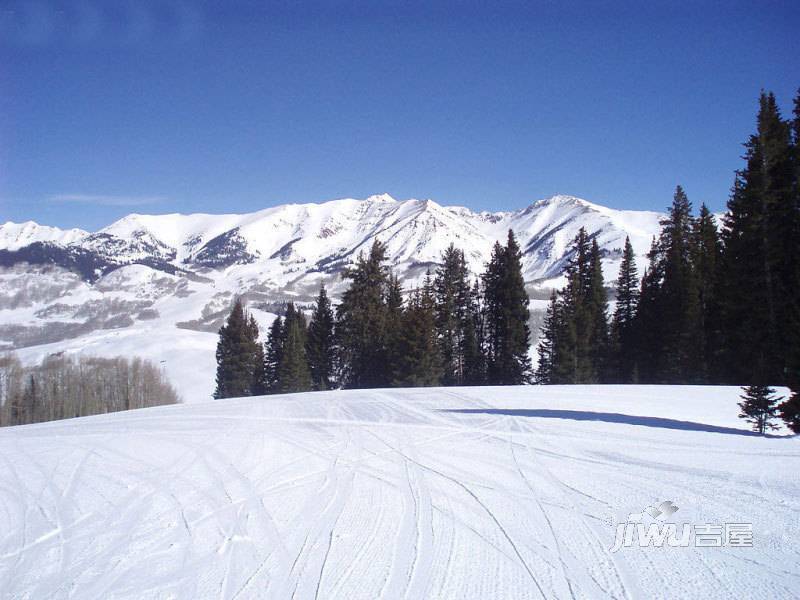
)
(425, 493)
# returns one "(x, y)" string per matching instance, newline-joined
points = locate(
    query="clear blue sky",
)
(109, 107)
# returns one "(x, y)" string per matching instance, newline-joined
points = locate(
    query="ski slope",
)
(424, 493)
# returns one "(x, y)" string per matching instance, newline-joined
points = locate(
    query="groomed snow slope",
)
(425, 493)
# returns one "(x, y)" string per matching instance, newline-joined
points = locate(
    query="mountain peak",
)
(381, 198)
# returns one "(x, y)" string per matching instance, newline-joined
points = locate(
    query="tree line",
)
(715, 305)
(448, 331)
(63, 387)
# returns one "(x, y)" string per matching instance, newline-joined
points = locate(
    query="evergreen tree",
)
(598, 305)
(623, 351)
(320, 342)
(571, 356)
(759, 407)
(548, 343)
(419, 362)
(678, 291)
(259, 386)
(293, 315)
(393, 326)
(760, 270)
(648, 325)
(451, 289)
(506, 305)
(239, 359)
(793, 287)
(790, 411)
(293, 373)
(706, 255)
(273, 352)
(474, 354)
(580, 338)
(361, 327)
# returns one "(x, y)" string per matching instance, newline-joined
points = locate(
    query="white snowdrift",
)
(425, 493)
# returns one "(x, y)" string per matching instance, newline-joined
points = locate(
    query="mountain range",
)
(155, 285)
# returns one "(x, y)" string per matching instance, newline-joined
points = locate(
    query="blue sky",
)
(109, 106)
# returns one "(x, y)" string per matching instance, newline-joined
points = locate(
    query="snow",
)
(424, 493)
(14, 236)
(415, 231)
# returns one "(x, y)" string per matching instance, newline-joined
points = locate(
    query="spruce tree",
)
(474, 352)
(293, 314)
(759, 407)
(678, 291)
(451, 289)
(419, 362)
(598, 301)
(581, 334)
(259, 386)
(507, 315)
(361, 325)
(571, 362)
(648, 325)
(546, 349)
(790, 411)
(293, 373)
(393, 323)
(623, 349)
(760, 273)
(320, 346)
(706, 255)
(273, 352)
(238, 355)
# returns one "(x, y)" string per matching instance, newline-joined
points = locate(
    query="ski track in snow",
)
(427, 493)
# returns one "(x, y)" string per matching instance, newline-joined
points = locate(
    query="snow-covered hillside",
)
(159, 285)
(426, 493)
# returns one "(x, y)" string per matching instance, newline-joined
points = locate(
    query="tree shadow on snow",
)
(583, 415)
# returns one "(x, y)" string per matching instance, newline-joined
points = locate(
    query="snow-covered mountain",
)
(157, 284)
(14, 236)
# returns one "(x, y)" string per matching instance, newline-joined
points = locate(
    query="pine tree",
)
(293, 373)
(238, 355)
(648, 325)
(547, 343)
(507, 315)
(259, 385)
(452, 291)
(790, 411)
(598, 303)
(294, 315)
(792, 298)
(760, 281)
(678, 291)
(580, 347)
(571, 357)
(320, 346)
(361, 325)
(419, 362)
(759, 407)
(706, 255)
(474, 353)
(623, 349)
(393, 324)
(273, 352)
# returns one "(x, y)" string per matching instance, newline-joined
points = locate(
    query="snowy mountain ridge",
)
(152, 285)
(323, 237)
